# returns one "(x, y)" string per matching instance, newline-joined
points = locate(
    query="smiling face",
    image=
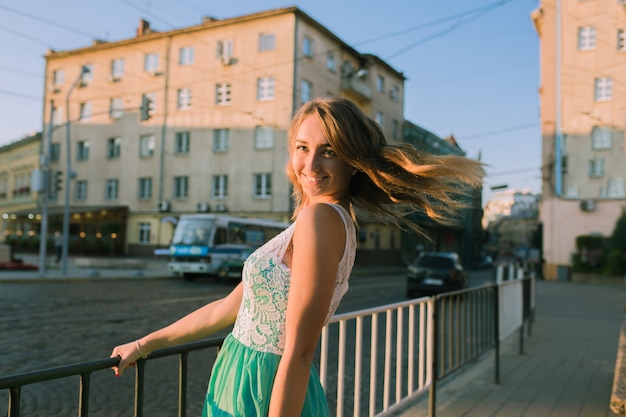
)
(322, 176)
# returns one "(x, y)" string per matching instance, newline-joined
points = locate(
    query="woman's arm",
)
(318, 245)
(199, 324)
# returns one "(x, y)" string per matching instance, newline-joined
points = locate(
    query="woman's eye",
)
(301, 147)
(328, 152)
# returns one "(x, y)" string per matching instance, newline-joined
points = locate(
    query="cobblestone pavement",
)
(51, 324)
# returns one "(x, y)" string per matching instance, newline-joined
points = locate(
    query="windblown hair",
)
(391, 181)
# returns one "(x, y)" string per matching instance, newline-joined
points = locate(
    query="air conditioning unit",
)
(227, 59)
(221, 208)
(164, 206)
(113, 79)
(587, 205)
(203, 207)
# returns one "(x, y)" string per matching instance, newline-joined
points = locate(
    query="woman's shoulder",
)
(322, 217)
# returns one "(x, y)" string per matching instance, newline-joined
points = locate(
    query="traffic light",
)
(146, 108)
(57, 181)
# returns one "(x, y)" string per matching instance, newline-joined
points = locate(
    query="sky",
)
(471, 67)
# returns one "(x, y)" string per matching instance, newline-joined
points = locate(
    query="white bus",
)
(217, 244)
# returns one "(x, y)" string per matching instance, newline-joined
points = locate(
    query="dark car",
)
(436, 272)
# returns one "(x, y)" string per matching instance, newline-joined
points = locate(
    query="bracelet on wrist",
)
(139, 350)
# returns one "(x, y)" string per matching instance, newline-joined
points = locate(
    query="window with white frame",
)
(80, 190)
(267, 42)
(181, 142)
(220, 186)
(306, 91)
(221, 140)
(263, 137)
(621, 39)
(394, 93)
(181, 187)
(380, 84)
(85, 111)
(57, 116)
(82, 150)
(222, 94)
(111, 189)
(586, 38)
(308, 49)
(184, 99)
(117, 69)
(146, 146)
(596, 167)
(395, 129)
(600, 138)
(87, 74)
(151, 62)
(55, 152)
(58, 77)
(224, 49)
(616, 188)
(114, 148)
(265, 89)
(603, 89)
(331, 62)
(380, 118)
(186, 55)
(116, 108)
(153, 103)
(144, 191)
(262, 185)
(144, 230)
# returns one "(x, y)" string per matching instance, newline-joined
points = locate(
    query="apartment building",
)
(195, 119)
(583, 117)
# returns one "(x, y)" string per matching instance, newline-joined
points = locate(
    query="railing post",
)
(139, 385)
(15, 394)
(182, 384)
(432, 391)
(83, 402)
(496, 330)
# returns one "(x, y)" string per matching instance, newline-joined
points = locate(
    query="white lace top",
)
(260, 322)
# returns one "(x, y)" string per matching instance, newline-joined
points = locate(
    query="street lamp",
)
(68, 171)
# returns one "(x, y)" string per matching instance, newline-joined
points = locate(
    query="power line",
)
(497, 132)
(20, 95)
(44, 20)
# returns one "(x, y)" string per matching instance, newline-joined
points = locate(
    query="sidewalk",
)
(566, 370)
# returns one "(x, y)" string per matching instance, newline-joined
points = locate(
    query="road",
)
(54, 324)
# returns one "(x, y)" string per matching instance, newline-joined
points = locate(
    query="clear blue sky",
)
(472, 67)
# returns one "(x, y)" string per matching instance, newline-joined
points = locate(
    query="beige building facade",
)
(583, 117)
(217, 99)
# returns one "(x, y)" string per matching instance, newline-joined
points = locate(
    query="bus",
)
(217, 244)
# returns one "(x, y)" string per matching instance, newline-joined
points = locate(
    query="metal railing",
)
(401, 349)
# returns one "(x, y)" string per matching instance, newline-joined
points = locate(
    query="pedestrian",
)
(58, 246)
(341, 167)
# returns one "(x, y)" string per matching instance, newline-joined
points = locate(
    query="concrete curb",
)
(618, 395)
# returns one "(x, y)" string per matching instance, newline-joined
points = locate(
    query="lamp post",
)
(68, 172)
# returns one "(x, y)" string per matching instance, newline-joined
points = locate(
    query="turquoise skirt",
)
(241, 384)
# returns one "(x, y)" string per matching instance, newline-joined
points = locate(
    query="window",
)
(110, 189)
(58, 77)
(380, 84)
(615, 188)
(181, 187)
(117, 69)
(380, 118)
(621, 39)
(146, 146)
(262, 185)
(220, 186)
(395, 93)
(267, 42)
(265, 89)
(263, 137)
(55, 152)
(57, 116)
(186, 56)
(222, 94)
(586, 38)
(224, 49)
(308, 47)
(88, 74)
(145, 188)
(152, 98)
(80, 190)
(151, 63)
(114, 148)
(603, 89)
(184, 99)
(116, 109)
(220, 140)
(395, 129)
(331, 62)
(85, 111)
(181, 142)
(596, 168)
(82, 150)
(306, 91)
(600, 138)
(144, 233)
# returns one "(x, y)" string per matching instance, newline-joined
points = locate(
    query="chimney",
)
(144, 28)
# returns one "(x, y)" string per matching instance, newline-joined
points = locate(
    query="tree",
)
(618, 238)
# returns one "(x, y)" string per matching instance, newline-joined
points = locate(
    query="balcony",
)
(356, 86)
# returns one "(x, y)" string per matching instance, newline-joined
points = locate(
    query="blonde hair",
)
(391, 181)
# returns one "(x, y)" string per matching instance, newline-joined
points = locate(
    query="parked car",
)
(232, 268)
(436, 272)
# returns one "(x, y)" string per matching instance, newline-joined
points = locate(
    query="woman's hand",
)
(128, 354)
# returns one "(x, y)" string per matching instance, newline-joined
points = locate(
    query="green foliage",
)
(615, 263)
(618, 238)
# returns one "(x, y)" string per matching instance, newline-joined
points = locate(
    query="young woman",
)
(341, 167)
